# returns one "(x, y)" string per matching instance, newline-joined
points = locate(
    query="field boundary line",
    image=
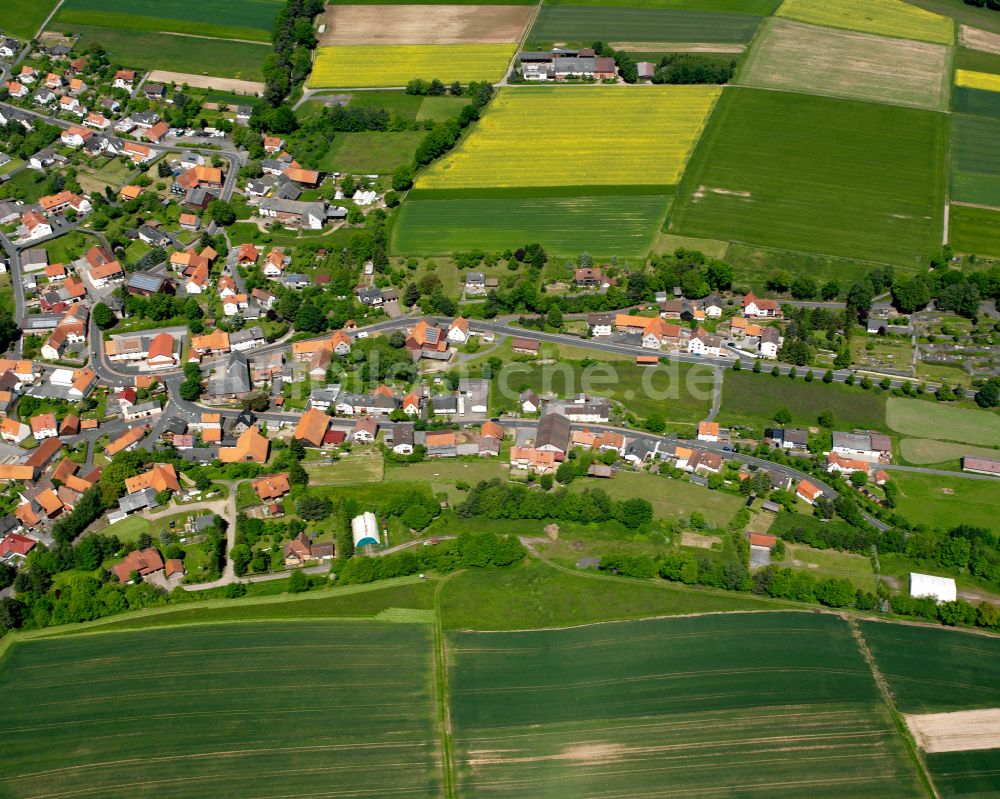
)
(897, 719)
(443, 699)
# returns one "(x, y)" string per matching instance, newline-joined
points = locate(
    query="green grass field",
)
(536, 594)
(977, 102)
(443, 474)
(925, 451)
(658, 708)
(974, 230)
(959, 775)
(753, 399)
(222, 19)
(670, 498)
(947, 423)
(945, 502)
(805, 58)
(23, 18)
(349, 707)
(440, 108)
(824, 563)
(678, 392)
(976, 60)
(224, 59)
(884, 17)
(601, 224)
(762, 175)
(933, 670)
(371, 153)
(585, 24)
(759, 8)
(975, 160)
(351, 469)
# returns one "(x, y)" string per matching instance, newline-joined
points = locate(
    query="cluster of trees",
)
(433, 88)
(983, 615)
(291, 59)
(21, 143)
(689, 68)
(444, 135)
(993, 5)
(495, 499)
(469, 550)
(161, 307)
(250, 532)
(951, 290)
(627, 68)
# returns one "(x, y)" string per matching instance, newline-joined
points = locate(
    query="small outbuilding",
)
(364, 530)
(941, 589)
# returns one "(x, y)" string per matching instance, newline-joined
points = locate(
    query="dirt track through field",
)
(977, 39)
(961, 731)
(423, 24)
(206, 82)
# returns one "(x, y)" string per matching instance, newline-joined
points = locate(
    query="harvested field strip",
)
(649, 709)
(976, 39)
(585, 24)
(192, 700)
(923, 451)
(934, 670)
(362, 66)
(959, 731)
(918, 417)
(758, 8)
(761, 175)
(417, 24)
(600, 225)
(974, 230)
(977, 80)
(975, 160)
(791, 55)
(884, 17)
(577, 136)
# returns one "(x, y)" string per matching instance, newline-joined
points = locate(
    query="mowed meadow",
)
(818, 175)
(774, 704)
(255, 709)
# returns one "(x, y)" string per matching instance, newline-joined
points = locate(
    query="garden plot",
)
(421, 24)
(815, 60)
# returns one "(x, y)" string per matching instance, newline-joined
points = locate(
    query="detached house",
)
(759, 308)
(275, 263)
(75, 136)
(125, 79)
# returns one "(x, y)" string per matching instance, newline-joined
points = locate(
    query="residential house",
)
(161, 477)
(246, 339)
(312, 427)
(126, 441)
(156, 133)
(14, 431)
(756, 307)
(251, 447)
(770, 342)
(441, 444)
(293, 213)
(458, 331)
(525, 346)
(427, 341)
(34, 225)
(161, 352)
(708, 431)
(214, 343)
(365, 430)
(601, 324)
(704, 343)
(533, 459)
(553, 434)
(807, 491)
(870, 447)
(139, 153)
(475, 284)
(787, 438)
(402, 437)
(143, 562)
(125, 79)
(230, 379)
(271, 486)
(530, 403)
(275, 263)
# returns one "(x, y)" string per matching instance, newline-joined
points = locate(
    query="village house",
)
(143, 562)
(250, 447)
(365, 430)
(271, 487)
(756, 307)
(312, 427)
(808, 492)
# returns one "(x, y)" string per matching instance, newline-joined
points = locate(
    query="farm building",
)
(364, 530)
(941, 589)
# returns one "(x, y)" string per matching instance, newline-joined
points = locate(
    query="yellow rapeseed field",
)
(579, 135)
(977, 80)
(884, 17)
(372, 66)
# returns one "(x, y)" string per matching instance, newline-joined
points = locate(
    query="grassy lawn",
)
(443, 474)
(670, 498)
(69, 247)
(370, 152)
(440, 108)
(535, 594)
(944, 422)
(247, 232)
(129, 529)
(975, 230)
(753, 399)
(947, 501)
(830, 563)
(944, 454)
(678, 392)
(885, 353)
(357, 467)
(246, 497)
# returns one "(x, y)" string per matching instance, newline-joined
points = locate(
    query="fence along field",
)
(416, 24)
(975, 160)
(667, 708)
(819, 175)
(579, 136)
(388, 65)
(884, 17)
(813, 60)
(253, 709)
(586, 24)
(222, 19)
(599, 224)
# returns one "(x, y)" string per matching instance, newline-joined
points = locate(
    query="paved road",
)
(716, 395)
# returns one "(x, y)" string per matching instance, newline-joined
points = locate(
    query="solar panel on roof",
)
(145, 282)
